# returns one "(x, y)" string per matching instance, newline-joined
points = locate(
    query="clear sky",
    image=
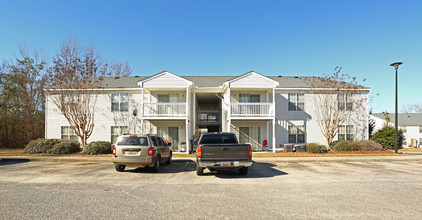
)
(221, 37)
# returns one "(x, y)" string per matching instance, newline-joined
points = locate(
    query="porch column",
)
(142, 111)
(274, 114)
(229, 121)
(187, 120)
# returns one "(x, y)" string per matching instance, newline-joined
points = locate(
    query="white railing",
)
(165, 109)
(252, 109)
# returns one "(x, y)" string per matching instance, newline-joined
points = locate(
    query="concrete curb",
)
(256, 159)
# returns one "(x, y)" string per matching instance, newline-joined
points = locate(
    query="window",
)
(296, 134)
(154, 141)
(296, 101)
(249, 98)
(345, 101)
(420, 129)
(116, 131)
(169, 98)
(346, 132)
(120, 102)
(70, 101)
(68, 134)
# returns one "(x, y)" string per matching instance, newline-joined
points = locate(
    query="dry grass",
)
(410, 150)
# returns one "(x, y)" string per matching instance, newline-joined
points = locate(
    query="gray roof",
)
(405, 119)
(210, 81)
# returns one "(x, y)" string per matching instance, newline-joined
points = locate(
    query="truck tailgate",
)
(225, 152)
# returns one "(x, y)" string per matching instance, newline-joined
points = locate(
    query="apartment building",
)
(265, 111)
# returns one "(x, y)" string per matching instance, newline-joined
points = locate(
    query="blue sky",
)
(291, 38)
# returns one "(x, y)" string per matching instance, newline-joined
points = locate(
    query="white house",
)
(411, 123)
(275, 110)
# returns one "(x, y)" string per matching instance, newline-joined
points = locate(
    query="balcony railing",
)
(252, 109)
(165, 109)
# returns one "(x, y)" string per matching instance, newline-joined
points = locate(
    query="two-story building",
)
(265, 111)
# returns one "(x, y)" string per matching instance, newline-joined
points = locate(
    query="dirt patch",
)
(411, 150)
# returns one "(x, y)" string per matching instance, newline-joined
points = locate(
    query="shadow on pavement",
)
(257, 170)
(4, 162)
(177, 166)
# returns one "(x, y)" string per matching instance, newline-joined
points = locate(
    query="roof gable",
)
(252, 80)
(164, 80)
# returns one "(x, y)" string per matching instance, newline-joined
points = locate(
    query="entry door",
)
(173, 133)
(251, 135)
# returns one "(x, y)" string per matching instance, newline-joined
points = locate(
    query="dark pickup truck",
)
(221, 150)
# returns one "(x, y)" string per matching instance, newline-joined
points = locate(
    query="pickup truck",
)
(220, 151)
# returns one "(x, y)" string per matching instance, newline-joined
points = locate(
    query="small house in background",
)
(411, 123)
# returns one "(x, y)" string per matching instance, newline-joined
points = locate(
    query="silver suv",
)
(141, 151)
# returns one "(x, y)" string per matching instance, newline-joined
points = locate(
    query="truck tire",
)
(120, 168)
(199, 170)
(156, 166)
(243, 170)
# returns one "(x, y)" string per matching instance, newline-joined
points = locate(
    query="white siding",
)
(166, 80)
(253, 80)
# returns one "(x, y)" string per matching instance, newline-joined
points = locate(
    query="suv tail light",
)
(250, 151)
(114, 151)
(199, 152)
(150, 151)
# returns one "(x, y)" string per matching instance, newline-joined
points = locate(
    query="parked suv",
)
(141, 151)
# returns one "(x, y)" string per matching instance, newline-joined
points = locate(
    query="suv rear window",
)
(218, 139)
(138, 141)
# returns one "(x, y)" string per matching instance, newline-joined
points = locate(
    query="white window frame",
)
(346, 132)
(121, 101)
(120, 131)
(345, 101)
(296, 134)
(67, 133)
(296, 102)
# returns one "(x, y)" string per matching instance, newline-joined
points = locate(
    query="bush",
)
(41, 146)
(55, 146)
(369, 146)
(66, 147)
(385, 137)
(97, 147)
(315, 148)
(356, 146)
(345, 146)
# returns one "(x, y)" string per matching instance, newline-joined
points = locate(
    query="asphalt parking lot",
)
(292, 190)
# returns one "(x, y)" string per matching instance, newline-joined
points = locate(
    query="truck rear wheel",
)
(199, 170)
(243, 170)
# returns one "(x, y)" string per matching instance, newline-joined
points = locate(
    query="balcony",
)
(177, 109)
(252, 109)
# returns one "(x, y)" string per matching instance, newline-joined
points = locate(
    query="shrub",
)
(66, 147)
(345, 146)
(369, 145)
(97, 147)
(41, 146)
(315, 148)
(385, 137)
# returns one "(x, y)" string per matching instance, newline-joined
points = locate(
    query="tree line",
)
(23, 84)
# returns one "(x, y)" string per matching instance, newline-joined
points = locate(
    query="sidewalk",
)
(256, 159)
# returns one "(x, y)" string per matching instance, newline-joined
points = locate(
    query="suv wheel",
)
(199, 170)
(156, 166)
(243, 170)
(169, 159)
(120, 168)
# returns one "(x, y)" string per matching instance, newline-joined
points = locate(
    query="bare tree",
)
(411, 108)
(74, 78)
(119, 69)
(337, 98)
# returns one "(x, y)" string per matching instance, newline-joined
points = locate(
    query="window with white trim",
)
(345, 101)
(249, 98)
(67, 133)
(296, 134)
(116, 131)
(346, 132)
(296, 101)
(120, 102)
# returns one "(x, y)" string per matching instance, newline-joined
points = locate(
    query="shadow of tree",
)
(4, 162)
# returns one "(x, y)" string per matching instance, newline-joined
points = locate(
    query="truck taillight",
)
(150, 151)
(114, 151)
(250, 151)
(199, 152)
